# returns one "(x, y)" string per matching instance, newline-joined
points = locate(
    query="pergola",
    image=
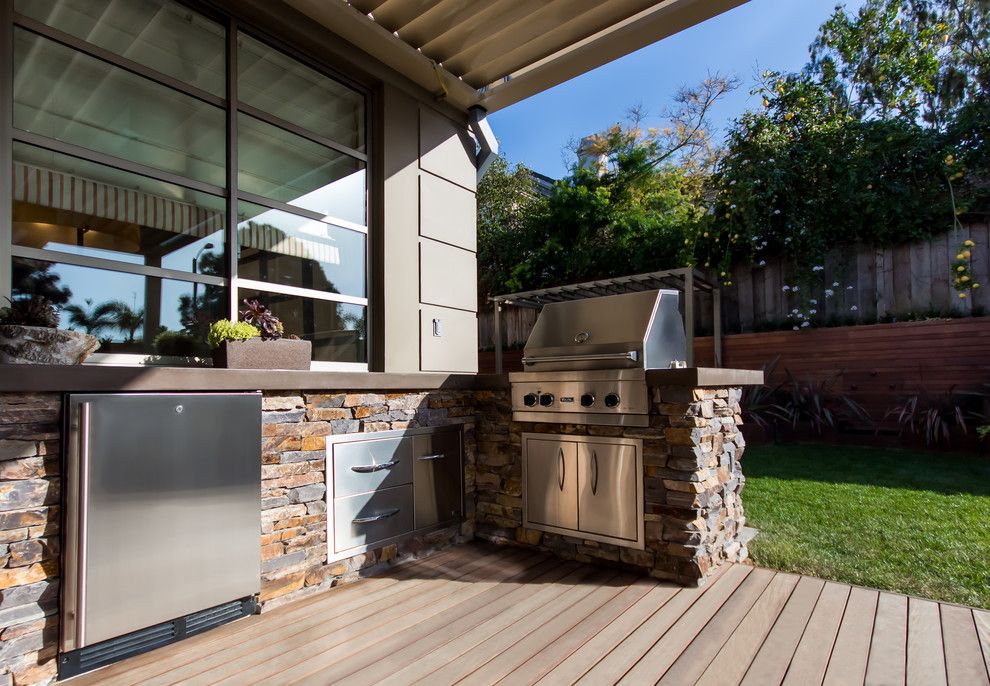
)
(688, 280)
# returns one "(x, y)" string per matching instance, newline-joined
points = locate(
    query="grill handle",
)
(629, 355)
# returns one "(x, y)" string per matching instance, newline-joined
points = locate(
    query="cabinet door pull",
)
(368, 468)
(594, 473)
(561, 466)
(428, 458)
(376, 518)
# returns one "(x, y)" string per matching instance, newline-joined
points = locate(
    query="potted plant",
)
(257, 342)
(29, 334)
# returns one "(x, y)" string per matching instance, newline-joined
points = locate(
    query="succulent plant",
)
(226, 330)
(34, 311)
(264, 319)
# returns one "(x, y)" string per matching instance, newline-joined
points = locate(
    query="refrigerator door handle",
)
(84, 412)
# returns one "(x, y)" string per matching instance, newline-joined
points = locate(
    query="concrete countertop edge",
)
(24, 378)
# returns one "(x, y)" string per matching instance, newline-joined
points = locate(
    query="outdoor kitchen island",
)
(691, 476)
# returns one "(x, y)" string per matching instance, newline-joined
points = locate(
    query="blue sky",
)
(761, 34)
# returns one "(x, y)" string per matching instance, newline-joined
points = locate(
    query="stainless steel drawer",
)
(363, 466)
(364, 519)
(438, 478)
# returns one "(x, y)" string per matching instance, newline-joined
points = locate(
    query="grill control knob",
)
(529, 400)
(546, 399)
(612, 400)
(588, 399)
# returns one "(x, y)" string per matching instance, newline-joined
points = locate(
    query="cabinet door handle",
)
(561, 466)
(368, 468)
(428, 458)
(594, 473)
(376, 518)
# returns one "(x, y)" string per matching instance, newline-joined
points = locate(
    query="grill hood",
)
(630, 331)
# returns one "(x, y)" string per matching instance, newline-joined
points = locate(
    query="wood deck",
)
(477, 614)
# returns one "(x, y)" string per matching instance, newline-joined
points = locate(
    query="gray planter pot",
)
(255, 353)
(41, 345)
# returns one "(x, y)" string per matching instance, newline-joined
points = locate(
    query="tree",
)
(34, 277)
(90, 319)
(126, 319)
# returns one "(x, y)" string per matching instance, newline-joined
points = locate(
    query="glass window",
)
(338, 331)
(68, 96)
(159, 34)
(73, 206)
(287, 249)
(277, 84)
(129, 313)
(283, 166)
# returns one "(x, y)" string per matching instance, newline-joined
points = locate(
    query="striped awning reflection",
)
(72, 193)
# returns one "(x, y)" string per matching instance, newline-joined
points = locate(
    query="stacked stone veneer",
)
(293, 487)
(692, 480)
(29, 543)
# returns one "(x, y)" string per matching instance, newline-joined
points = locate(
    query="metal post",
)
(497, 337)
(689, 314)
(717, 325)
(6, 107)
(233, 246)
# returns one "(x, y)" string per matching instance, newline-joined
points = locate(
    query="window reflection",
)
(159, 34)
(283, 166)
(338, 331)
(291, 250)
(277, 84)
(129, 313)
(69, 96)
(66, 204)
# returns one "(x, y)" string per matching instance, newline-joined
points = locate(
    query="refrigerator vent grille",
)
(143, 640)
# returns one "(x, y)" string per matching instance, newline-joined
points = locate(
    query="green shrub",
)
(177, 344)
(226, 330)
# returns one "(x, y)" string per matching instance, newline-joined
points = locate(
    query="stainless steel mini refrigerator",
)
(162, 520)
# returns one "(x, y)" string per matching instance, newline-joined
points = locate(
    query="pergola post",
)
(717, 325)
(689, 314)
(497, 336)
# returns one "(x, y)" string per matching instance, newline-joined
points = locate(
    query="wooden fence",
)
(873, 284)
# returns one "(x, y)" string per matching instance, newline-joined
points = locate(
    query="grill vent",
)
(143, 640)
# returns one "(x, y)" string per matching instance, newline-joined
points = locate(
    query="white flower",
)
(786, 288)
(732, 206)
(813, 301)
(804, 324)
(763, 263)
(849, 288)
(787, 240)
(797, 288)
(829, 292)
(853, 308)
(813, 311)
(795, 328)
(835, 284)
(795, 311)
(732, 183)
(818, 268)
(776, 211)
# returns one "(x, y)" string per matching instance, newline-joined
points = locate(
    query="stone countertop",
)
(704, 377)
(38, 378)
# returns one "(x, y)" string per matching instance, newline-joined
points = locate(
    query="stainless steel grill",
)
(585, 361)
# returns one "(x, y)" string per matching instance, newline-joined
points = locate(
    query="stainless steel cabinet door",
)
(437, 479)
(163, 509)
(551, 483)
(608, 502)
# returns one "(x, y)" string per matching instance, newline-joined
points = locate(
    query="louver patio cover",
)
(72, 193)
(494, 53)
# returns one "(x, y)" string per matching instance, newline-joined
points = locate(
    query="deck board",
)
(481, 614)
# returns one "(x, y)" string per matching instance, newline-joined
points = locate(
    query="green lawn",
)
(906, 521)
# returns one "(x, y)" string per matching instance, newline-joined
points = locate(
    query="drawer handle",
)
(594, 473)
(376, 518)
(368, 468)
(437, 456)
(561, 469)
